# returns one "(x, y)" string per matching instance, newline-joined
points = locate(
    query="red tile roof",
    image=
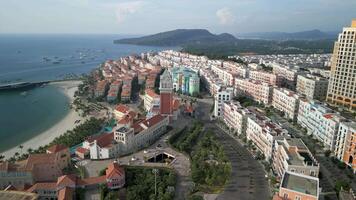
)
(34, 159)
(153, 120)
(82, 150)
(67, 180)
(151, 93)
(43, 186)
(92, 181)
(114, 170)
(106, 140)
(56, 148)
(122, 108)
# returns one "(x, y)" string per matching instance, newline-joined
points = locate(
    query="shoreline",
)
(68, 88)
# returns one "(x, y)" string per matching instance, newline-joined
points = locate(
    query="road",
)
(247, 180)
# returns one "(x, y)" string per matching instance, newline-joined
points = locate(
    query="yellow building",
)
(342, 86)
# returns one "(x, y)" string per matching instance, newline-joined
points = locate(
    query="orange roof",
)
(65, 194)
(67, 180)
(82, 150)
(189, 109)
(56, 148)
(153, 120)
(122, 108)
(328, 116)
(114, 170)
(43, 186)
(92, 181)
(151, 93)
(106, 140)
(34, 159)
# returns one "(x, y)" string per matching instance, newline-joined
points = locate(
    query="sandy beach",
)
(67, 123)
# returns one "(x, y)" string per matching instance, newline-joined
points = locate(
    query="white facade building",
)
(313, 87)
(225, 94)
(286, 101)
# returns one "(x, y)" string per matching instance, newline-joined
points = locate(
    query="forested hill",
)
(202, 42)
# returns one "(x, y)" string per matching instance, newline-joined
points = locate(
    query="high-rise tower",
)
(342, 86)
(166, 93)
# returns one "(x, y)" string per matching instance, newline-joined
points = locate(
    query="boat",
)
(23, 93)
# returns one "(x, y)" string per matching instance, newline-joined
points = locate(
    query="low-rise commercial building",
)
(128, 138)
(296, 186)
(291, 154)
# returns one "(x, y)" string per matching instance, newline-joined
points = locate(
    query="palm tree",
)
(16, 154)
(21, 147)
(30, 150)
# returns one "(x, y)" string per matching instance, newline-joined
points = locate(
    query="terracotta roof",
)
(92, 181)
(122, 108)
(43, 186)
(189, 109)
(65, 194)
(34, 159)
(67, 180)
(114, 170)
(91, 139)
(56, 148)
(82, 150)
(151, 93)
(106, 140)
(153, 120)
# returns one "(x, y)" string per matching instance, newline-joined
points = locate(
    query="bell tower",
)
(166, 93)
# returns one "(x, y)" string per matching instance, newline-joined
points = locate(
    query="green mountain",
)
(202, 42)
(179, 37)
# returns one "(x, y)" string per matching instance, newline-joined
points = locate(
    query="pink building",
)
(115, 176)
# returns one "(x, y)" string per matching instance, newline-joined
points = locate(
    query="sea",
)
(39, 57)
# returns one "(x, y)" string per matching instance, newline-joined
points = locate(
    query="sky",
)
(141, 17)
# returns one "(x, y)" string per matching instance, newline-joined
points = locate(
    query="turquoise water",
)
(23, 58)
(23, 116)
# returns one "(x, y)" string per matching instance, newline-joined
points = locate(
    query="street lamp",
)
(155, 171)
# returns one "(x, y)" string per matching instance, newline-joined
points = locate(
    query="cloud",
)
(122, 10)
(225, 16)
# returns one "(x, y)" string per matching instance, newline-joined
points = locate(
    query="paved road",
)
(247, 179)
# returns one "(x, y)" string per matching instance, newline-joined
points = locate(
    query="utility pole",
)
(155, 171)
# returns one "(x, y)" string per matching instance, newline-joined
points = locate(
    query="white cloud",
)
(225, 16)
(122, 10)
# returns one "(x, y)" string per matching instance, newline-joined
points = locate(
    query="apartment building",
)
(313, 87)
(263, 76)
(296, 186)
(342, 87)
(320, 121)
(256, 90)
(287, 75)
(286, 101)
(263, 133)
(225, 94)
(235, 116)
(345, 148)
(291, 154)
